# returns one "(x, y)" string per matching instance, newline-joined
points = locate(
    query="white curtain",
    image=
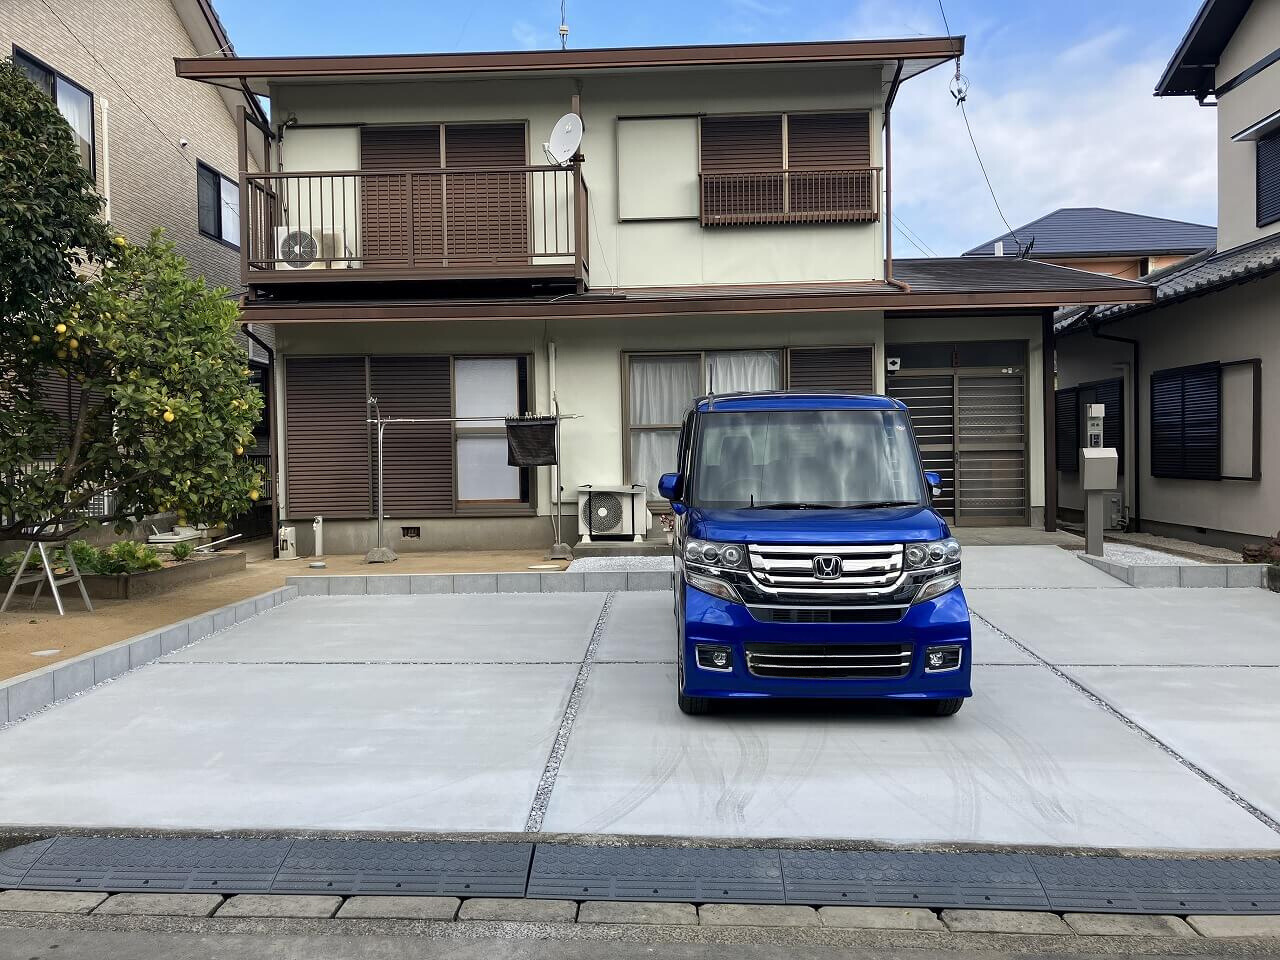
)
(77, 107)
(661, 388)
(230, 196)
(734, 371)
(653, 453)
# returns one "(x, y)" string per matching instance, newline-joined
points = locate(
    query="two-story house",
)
(722, 226)
(1112, 242)
(1188, 379)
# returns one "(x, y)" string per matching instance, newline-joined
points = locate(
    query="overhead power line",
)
(912, 238)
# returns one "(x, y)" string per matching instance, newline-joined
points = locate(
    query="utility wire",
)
(912, 237)
(110, 76)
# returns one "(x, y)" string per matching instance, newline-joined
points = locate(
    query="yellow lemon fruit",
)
(254, 494)
(35, 338)
(168, 416)
(73, 343)
(60, 329)
(239, 451)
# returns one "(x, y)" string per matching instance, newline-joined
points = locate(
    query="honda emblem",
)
(827, 567)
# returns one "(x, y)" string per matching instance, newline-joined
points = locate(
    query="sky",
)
(1060, 91)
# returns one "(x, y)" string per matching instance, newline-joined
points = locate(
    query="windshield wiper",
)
(874, 504)
(784, 505)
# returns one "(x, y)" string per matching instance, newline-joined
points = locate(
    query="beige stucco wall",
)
(632, 252)
(1257, 98)
(1243, 324)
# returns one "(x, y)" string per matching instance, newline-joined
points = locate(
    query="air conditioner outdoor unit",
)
(613, 511)
(298, 248)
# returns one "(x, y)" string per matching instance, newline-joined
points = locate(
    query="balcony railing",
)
(415, 224)
(790, 196)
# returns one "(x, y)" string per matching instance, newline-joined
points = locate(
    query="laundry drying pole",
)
(381, 553)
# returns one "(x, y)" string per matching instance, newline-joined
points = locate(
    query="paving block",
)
(475, 583)
(263, 604)
(144, 649)
(49, 901)
(279, 905)
(28, 696)
(175, 637)
(348, 586)
(399, 908)
(880, 918)
(1246, 575)
(386, 585)
(246, 610)
(161, 904)
(1154, 576)
(1127, 925)
(1004, 921)
(107, 664)
(1207, 575)
(649, 580)
(310, 586)
(756, 915)
(1239, 926)
(620, 911)
(71, 678)
(431, 582)
(199, 627)
(523, 911)
(562, 582)
(287, 593)
(4, 704)
(519, 583)
(224, 619)
(603, 581)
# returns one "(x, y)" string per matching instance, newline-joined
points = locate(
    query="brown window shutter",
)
(417, 459)
(326, 437)
(384, 204)
(830, 142)
(741, 166)
(488, 220)
(831, 369)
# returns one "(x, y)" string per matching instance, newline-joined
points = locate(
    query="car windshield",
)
(805, 459)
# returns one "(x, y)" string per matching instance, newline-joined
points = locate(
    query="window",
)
(1268, 173)
(787, 168)
(75, 103)
(1071, 412)
(1066, 420)
(1186, 422)
(219, 202)
(488, 387)
(660, 388)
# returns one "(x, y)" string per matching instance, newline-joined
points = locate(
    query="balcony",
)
(789, 196)
(415, 224)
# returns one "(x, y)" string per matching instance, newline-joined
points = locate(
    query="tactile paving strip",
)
(1135, 885)
(698, 875)
(393, 867)
(871, 878)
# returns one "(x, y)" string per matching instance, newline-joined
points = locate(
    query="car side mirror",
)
(935, 482)
(669, 486)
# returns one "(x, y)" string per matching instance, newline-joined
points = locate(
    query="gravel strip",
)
(1144, 556)
(608, 564)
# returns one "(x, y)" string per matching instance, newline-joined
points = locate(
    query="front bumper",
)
(710, 620)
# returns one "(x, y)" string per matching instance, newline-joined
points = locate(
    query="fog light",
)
(941, 659)
(714, 658)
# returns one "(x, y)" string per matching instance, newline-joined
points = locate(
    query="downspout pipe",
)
(271, 439)
(1136, 465)
(888, 173)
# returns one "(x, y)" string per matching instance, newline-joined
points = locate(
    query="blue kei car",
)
(809, 560)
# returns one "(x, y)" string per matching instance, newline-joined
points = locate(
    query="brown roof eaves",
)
(605, 58)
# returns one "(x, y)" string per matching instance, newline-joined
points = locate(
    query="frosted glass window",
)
(486, 387)
(230, 211)
(483, 473)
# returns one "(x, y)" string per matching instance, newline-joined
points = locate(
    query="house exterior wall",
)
(668, 246)
(1257, 98)
(1242, 319)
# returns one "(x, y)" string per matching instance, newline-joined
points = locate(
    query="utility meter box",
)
(1095, 415)
(1099, 468)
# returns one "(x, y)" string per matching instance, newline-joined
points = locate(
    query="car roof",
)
(795, 400)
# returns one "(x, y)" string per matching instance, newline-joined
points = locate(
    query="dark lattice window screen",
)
(1269, 180)
(1066, 417)
(1186, 422)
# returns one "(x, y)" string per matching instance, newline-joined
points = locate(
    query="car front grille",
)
(851, 614)
(806, 572)
(807, 661)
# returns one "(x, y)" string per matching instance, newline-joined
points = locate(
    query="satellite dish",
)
(566, 138)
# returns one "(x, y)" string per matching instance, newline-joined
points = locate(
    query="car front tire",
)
(942, 708)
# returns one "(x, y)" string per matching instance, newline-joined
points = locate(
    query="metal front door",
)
(991, 447)
(931, 401)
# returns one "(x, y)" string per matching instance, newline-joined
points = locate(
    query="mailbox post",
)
(1099, 474)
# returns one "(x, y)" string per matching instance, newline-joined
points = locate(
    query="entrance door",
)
(931, 402)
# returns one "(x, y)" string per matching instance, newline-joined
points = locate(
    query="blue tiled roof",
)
(1090, 231)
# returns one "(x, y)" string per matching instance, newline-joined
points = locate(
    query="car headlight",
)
(708, 553)
(935, 553)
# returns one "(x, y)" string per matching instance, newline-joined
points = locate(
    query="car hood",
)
(884, 525)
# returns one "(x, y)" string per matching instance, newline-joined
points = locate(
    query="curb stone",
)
(276, 905)
(1126, 925)
(161, 905)
(1215, 926)
(881, 918)
(756, 915)
(638, 912)
(327, 585)
(527, 911)
(399, 908)
(1005, 921)
(50, 901)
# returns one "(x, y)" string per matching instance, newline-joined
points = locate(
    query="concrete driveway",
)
(1103, 716)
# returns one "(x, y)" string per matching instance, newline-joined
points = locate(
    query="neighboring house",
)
(1111, 242)
(162, 151)
(1189, 379)
(723, 225)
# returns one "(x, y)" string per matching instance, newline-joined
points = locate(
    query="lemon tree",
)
(153, 402)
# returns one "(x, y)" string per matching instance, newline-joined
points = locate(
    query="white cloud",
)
(525, 35)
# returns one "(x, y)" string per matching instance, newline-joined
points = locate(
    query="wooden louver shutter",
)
(384, 197)
(488, 219)
(832, 369)
(741, 165)
(829, 159)
(1066, 422)
(417, 459)
(1268, 175)
(326, 438)
(1186, 410)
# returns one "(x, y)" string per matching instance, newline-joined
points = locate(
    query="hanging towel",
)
(531, 441)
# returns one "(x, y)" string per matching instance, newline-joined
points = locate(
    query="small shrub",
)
(88, 558)
(181, 551)
(9, 563)
(129, 556)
